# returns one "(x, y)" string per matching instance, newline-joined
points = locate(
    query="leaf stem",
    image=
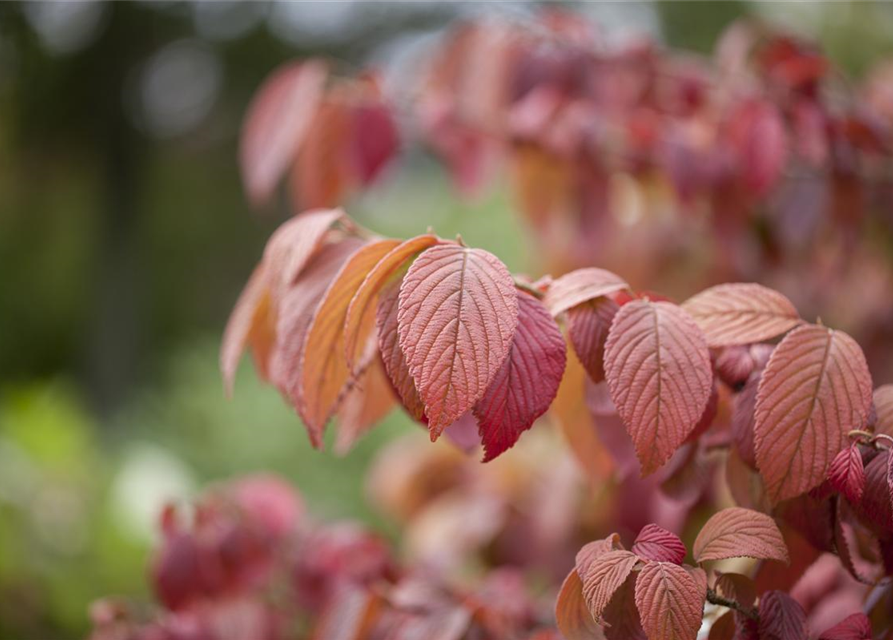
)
(536, 293)
(722, 601)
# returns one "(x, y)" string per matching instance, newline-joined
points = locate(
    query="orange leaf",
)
(571, 612)
(367, 403)
(246, 315)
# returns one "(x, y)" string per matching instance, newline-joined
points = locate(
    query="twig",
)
(715, 598)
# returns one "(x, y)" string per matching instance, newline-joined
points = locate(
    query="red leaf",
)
(659, 374)
(734, 365)
(669, 601)
(781, 618)
(605, 575)
(374, 139)
(883, 405)
(457, 315)
(759, 136)
(876, 503)
(579, 286)
(588, 324)
(847, 474)
(392, 355)
(621, 616)
(736, 533)
(571, 612)
(658, 544)
(363, 305)
(815, 388)
(739, 313)
(724, 627)
(277, 123)
(526, 383)
(742, 424)
(854, 627)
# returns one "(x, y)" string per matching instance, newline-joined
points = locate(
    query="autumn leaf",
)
(847, 473)
(526, 383)
(669, 602)
(276, 124)
(876, 504)
(322, 173)
(588, 324)
(579, 286)
(367, 403)
(740, 313)
(736, 533)
(392, 355)
(365, 301)
(246, 316)
(295, 242)
(781, 617)
(658, 371)
(658, 544)
(854, 627)
(571, 612)
(737, 587)
(622, 620)
(883, 404)
(456, 318)
(605, 575)
(815, 388)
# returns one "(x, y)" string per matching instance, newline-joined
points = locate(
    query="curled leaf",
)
(737, 532)
(579, 286)
(658, 544)
(669, 601)
(815, 388)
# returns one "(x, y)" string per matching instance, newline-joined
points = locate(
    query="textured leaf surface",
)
(243, 319)
(571, 612)
(588, 324)
(658, 371)
(605, 575)
(579, 286)
(324, 373)
(295, 242)
(456, 318)
(669, 602)
(741, 313)
(883, 404)
(277, 122)
(737, 532)
(815, 388)
(656, 543)
(847, 473)
(854, 627)
(392, 355)
(527, 381)
(365, 301)
(876, 501)
(781, 618)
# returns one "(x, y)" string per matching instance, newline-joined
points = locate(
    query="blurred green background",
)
(125, 238)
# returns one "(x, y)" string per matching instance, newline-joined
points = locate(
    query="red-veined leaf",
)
(669, 602)
(588, 324)
(526, 383)
(656, 543)
(247, 317)
(457, 315)
(815, 388)
(741, 313)
(392, 355)
(324, 374)
(591, 551)
(364, 303)
(883, 405)
(368, 402)
(847, 473)
(295, 242)
(781, 617)
(854, 627)
(737, 532)
(622, 621)
(571, 612)
(659, 374)
(605, 575)
(276, 124)
(579, 286)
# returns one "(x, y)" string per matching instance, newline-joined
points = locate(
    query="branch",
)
(715, 598)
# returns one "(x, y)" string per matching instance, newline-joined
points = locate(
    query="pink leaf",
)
(242, 321)
(883, 405)
(296, 241)
(658, 544)
(854, 627)
(758, 134)
(579, 286)
(571, 612)
(670, 602)
(605, 575)
(588, 324)
(622, 620)
(276, 124)
(739, 313)
(847, 473)
(737, 532)
(392, 355)
(815, 388)
(527, 381)
(374, 140)
(659, 374)
(781, 618)
(456, 319)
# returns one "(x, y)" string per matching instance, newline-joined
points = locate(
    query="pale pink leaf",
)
(658, 371)
(781, 617)
(669, 601)
(814, 390)
(526, 383)
(579, 286)
(277, 122)
(456, 319)
(847, 473)
(605, 575)
(737, 532)
(741, 313)
(658, 544)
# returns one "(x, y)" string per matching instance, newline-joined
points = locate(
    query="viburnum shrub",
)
(674, 412)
